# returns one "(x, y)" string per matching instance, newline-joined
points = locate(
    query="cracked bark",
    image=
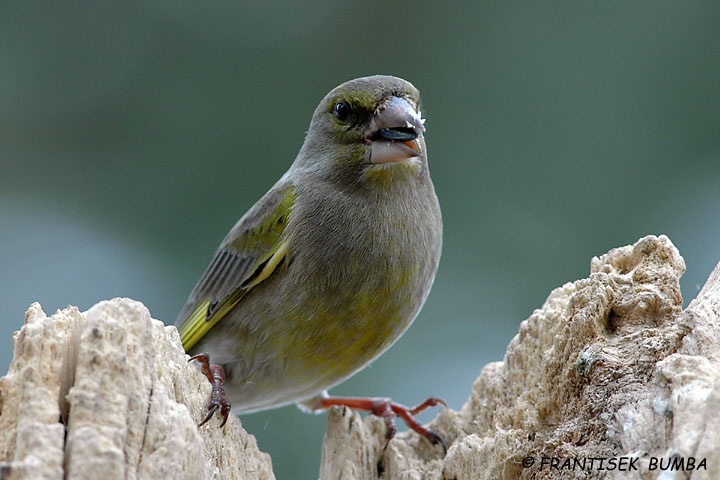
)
(610, 366)
(109, 394)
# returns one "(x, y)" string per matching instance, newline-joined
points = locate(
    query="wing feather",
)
(247, 256)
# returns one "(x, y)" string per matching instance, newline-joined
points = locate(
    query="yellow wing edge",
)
(199, 323)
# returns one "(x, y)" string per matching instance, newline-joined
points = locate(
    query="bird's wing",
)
(248, 255)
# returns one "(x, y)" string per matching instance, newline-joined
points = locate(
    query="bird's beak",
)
(394, 132)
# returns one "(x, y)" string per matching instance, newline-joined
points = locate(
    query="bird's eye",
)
(342, 112)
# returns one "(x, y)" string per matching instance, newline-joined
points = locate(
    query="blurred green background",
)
(135, 133)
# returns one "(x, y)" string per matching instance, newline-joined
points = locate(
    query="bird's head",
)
(367, 124)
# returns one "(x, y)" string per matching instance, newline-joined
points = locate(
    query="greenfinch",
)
(329, 268)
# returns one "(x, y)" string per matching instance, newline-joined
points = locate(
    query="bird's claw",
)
(388, 410)
(218, 401)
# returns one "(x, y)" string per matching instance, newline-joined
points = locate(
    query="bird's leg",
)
(386, 409)
(216, 375)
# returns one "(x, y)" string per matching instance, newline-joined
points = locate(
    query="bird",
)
(328, 268)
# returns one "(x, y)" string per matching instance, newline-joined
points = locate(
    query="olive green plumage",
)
(332, 264)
